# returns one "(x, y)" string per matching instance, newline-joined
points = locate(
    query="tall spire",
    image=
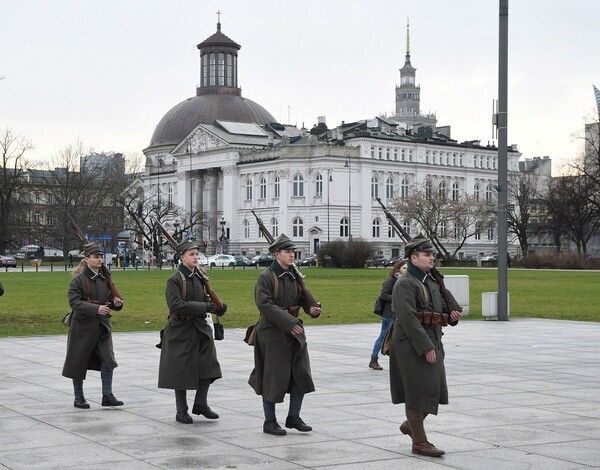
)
(597, 95)
(407, 41)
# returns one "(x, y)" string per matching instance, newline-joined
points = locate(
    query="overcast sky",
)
(105, 71)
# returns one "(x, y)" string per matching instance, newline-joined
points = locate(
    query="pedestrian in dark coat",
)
(281, 362)
(1, 289)
(417, 374)
(387, 316)
(89, 343)
(188, 358)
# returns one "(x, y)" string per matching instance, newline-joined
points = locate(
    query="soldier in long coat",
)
(281, 362)
(188, 358)
(89, 343)
(417, 374)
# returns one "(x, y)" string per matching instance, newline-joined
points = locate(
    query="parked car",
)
(202, 259)
(470, 258)
(262, 260)
(242, 260)
(310, 260)
(7, 262)
(377, 260)
(393, 260)
(489, 259)
(221, 260)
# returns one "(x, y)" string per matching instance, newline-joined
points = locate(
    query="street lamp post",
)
(329, 180)
(347, 165)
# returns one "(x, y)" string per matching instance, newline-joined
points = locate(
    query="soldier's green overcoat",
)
(279, 355)
(89, 342)
(188, 351)
(413, 380)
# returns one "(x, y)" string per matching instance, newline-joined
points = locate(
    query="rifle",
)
(203, 277)
(299, 276)
(114, 292)
(451, 302)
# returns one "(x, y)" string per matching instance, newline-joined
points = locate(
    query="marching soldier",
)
(188, 358)
(417, 374)
(89, 344)
(281, 362)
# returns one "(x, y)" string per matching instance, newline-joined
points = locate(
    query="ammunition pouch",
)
(294, 311)
(432, 318)
(176, 316)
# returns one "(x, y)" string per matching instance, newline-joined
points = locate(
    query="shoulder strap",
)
(425, 295)
(276, 290)
(184, 288)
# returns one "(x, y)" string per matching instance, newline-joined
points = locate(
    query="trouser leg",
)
(181, 401)
(78, 388)
(106, 375)
(415, 419)
(202, 393)
(269, 409)
(296, 397)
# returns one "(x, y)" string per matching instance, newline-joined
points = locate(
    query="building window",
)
(427, 157)
(376, 228)
(36, 217)
(298, 186)
(488, 193)
(406, 226)
(213, 67)
(248, 190)
(404, 188)
(297, 228)
(460, 159)
(455, 192)
(490, 232)
(428, 189)
(37, 197)
(478, 231)
(391, 231)
(274, 227)
(379, 152)
(387, 153)
(247, 229)
(229, 69)
(49, 219)
(221, 78)
(319, 188)
(410, 155)
(476, 161)
(372, 151)
(262, 188)
(374, 186)
(276, 187)
(344, 227)
(389, 188)
(443, 231)
(170, 194)
(442, 190)
(476, 192)
(396, 154)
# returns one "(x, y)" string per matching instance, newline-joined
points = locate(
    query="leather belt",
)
(432, 318)
(180, 317)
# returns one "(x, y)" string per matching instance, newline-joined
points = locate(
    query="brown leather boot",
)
(375, 365)
(426, 448)
(405, 428)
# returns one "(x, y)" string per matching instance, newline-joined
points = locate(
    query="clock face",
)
(403, 79)
(410, 79)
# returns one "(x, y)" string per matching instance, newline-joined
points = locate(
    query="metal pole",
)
(502, 120)
(191, 234)
(329, 180)
(349, 198)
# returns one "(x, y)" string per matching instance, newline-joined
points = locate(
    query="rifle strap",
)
(425, 295)
(276, 288)
(184, 286)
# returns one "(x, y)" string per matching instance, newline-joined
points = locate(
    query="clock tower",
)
(408, 93)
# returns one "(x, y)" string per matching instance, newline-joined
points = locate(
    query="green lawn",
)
(35, 302)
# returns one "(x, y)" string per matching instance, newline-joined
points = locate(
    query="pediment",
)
(199, 140)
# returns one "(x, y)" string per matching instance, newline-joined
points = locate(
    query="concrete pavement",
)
(524, 394)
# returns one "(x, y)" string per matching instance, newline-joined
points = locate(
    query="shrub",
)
(345, 254)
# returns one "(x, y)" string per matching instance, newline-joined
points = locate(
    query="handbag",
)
(67, 318)
(219, 330)
(378, 307)
(250, 335)
(387, 341)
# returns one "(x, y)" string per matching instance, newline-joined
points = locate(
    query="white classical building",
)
(226, 155)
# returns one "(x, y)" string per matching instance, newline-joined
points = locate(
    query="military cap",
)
(418, 243)
(185, 246)
(282, 242)
(91, 248)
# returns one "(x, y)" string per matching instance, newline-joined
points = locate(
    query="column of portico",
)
(213, 209)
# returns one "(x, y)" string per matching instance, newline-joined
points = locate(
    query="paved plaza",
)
(524, 394)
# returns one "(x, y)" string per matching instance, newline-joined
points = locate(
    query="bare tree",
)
(521, 214)
(447, 220)
(13, 148)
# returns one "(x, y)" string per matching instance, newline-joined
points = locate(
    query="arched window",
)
(274, 227)
(391, 231)
(319, 185)
(476, 192)
(344, 227)
(406, 226)
(276, 187)
(298, 186)
(262, 188)
(376, 228)
(443, 231)
(488, 193)
(297, 228)
(442, 190)
(455, 192)
(374, 186)
(389, 188)
(170, 194)
(248, 189)
(246, 228)
(428, 189)
(404, 188)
